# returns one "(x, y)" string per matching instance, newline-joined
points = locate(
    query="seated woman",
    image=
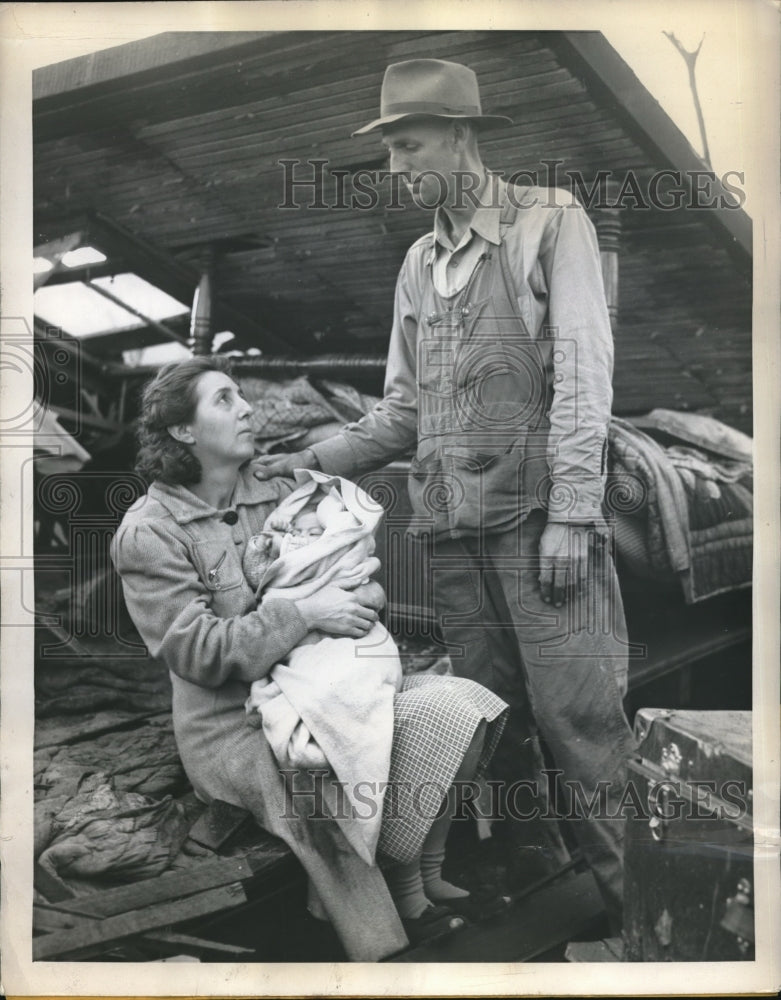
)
(179, 553)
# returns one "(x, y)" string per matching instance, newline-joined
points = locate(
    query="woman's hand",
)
(338, 612)
(371, 594)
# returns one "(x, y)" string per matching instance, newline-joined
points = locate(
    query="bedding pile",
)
(681, 500)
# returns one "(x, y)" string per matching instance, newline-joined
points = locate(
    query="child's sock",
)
(406, 888)
(435, 887)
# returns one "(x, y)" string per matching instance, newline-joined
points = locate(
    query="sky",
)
(721, 70)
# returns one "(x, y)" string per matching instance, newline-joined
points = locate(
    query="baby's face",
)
(308, 524)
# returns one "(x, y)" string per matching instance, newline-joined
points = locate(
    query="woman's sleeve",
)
(171, 609)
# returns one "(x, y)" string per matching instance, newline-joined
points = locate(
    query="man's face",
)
(426, 154)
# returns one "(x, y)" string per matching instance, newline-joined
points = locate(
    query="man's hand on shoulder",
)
(270, 466)
(564, 559)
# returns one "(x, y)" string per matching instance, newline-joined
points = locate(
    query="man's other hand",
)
(564, 555)
(269, 466)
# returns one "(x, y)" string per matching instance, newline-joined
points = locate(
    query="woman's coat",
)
(180, 564)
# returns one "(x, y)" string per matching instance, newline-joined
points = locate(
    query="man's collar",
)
(184, 506)
(486, 218)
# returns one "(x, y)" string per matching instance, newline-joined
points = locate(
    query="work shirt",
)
(513, 394)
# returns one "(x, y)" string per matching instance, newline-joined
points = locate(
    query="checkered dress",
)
(435, 719)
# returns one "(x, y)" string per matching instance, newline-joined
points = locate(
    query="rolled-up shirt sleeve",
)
(582, 365)
(171, 609)
(391, 428)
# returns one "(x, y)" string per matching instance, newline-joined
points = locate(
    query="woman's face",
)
(220, 431)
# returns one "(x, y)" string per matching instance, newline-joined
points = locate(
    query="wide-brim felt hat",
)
(430, 87)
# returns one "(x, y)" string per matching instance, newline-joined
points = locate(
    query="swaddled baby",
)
(329, 702)
(340, 546)
(281, 535)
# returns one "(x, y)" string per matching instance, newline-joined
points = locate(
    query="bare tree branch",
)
(690, 58)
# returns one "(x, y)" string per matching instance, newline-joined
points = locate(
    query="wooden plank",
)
(155, 197)
(195, 216)
(98, 935)
(162, 52)
(195, 943)
(46, 921)
(161, 328)
(678, 651)
(53, 888)
(220, 821)
(163, 91)
(675, 633)
(159, 205)
(173, 885)
(230, 134)
(461, 45)
(552, 916)
(322, 123)
(352, 94)
(329, 119)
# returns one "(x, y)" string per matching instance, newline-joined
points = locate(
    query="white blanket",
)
(330, 704)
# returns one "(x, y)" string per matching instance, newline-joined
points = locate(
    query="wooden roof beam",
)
(167, 54)
(97, 349)
(82, 93)
(84, 272)
(180, 280)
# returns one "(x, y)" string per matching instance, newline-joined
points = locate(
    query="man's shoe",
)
(433, 923)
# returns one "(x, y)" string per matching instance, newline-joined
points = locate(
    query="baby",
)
(330, 702)
(281, 535)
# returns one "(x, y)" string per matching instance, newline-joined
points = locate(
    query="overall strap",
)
(506, 220)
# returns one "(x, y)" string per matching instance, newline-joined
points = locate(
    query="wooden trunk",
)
(689, 847)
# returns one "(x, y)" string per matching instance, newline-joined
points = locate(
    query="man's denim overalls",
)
(481, 479)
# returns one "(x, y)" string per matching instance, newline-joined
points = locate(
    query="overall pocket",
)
(463, 492)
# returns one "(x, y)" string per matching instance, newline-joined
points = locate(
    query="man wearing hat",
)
(499, 375)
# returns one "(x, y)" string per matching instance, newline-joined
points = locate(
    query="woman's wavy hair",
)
(170, 399)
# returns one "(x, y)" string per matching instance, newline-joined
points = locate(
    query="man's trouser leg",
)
(573, 661)
(473, 620)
